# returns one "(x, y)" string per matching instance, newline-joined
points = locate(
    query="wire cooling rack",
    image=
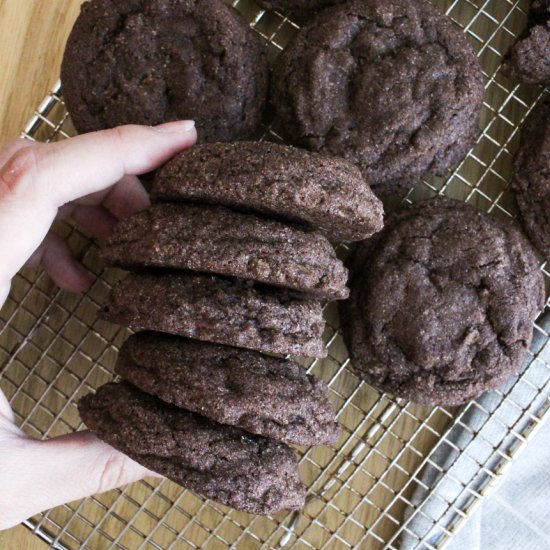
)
(371, 490)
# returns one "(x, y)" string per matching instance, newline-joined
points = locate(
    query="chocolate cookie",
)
(153, 61)
(391, 85)
(263, 395)
(223, 463)
(329, 194)
(442, 303)
(213, 239)
(297, 8)
(226, 311)
(531, 182)
(529, 58)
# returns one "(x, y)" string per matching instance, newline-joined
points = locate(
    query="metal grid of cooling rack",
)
(377, 487)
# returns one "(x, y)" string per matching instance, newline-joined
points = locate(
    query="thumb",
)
(38, 475)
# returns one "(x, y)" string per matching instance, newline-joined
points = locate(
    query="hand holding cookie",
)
(91, 179)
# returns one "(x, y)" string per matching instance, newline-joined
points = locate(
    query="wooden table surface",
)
(32, 38)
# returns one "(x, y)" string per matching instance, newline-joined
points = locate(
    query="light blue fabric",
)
(517, 514)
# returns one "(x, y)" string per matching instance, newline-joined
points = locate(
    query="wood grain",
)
(19, 538)
(32, 38)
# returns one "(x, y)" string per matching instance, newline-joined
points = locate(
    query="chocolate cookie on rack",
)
(223, 463)
(216, 240)
(442, 303)
(282, 182)
(214, 309)
(263, 395)
(297, 8)
(391, 85)
(154, 61)
(531, 182)
(529, 58)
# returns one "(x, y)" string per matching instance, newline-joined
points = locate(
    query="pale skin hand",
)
(92, 179)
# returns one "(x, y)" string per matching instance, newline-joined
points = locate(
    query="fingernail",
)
(176, 127)
(150, 473)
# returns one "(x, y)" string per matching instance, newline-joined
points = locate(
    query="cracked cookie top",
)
(214, 309)
(261, 394)
(391, 85)
(442, 303)
(213, 239)
(529, 58)
(282, 182)
(153, 61)
(531, 183)
(224, 463)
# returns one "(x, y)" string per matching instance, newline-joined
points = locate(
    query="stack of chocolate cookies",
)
(234, 251)
(234, 258)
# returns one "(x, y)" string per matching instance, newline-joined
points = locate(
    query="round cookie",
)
(297, 8)
(531, 182)
(154, 61)
(213, 239)
(238, 469)
(264, 395)
(391, 85)
(225, 311)
(529, 58)
(442, 303)
(328, 194)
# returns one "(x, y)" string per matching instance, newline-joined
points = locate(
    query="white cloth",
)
(516, 512)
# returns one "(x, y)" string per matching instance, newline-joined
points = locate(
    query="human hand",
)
(92, 179)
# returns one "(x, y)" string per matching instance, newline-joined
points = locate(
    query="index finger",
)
(37, 180)
(67, 170)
